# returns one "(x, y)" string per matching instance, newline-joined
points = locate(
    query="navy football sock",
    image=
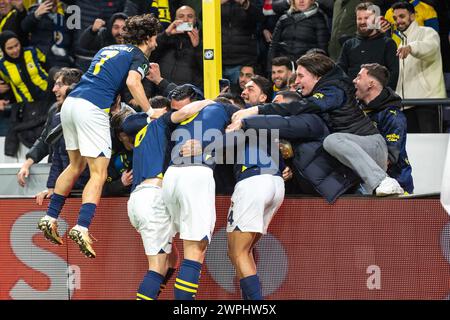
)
(169, 275)
(55, 206)
(186, 284)
(251, 287)
(149, 288)
(87, 212)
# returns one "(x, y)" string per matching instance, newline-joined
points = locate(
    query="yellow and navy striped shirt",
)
(5, 19)
(12, 73)
(162, 6)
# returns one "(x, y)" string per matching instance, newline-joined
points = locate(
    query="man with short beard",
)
(421, 74)
(257, 91)
(370, 45)
(281, 72)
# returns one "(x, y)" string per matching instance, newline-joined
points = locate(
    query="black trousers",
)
(424, 119)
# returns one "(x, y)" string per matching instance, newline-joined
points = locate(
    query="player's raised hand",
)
(158, 113)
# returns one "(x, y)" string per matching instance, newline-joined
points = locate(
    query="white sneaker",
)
(388, 187)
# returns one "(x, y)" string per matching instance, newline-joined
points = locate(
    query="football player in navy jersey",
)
(85, 122)
(189, 187)
(146, 209)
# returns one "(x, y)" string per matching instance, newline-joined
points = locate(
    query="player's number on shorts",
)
(107, 54)
(230, 214)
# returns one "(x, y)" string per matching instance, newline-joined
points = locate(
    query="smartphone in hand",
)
(224, 85)
(184, 27)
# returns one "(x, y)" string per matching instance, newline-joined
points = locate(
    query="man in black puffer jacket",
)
(300, 29)
(311, 164)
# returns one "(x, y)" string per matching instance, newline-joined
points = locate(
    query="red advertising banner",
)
(358, 248)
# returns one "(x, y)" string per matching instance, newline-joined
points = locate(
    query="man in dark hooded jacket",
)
(382, 105)
(101, 34)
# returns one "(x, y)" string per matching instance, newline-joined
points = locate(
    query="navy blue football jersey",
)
(108, 72)
(205, 126)
(150, 149)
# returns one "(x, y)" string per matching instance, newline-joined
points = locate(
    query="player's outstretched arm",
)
(134, 84)
(189, 110)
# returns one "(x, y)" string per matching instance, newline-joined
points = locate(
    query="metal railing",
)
(439, 103)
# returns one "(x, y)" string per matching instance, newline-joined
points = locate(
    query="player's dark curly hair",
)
(138, 28)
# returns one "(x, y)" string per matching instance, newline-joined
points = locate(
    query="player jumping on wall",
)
(85, 122)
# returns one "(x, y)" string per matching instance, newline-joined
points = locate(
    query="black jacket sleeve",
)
(392, 62)
(343, 57)
(322, 32)
(304, 126)
(274, 49)
(91, 40)
(55, 169)
(30, 22)
(289, 109)
(165, 87)
(40, 149)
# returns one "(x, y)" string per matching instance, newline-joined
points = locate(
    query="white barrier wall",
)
(426, 154)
